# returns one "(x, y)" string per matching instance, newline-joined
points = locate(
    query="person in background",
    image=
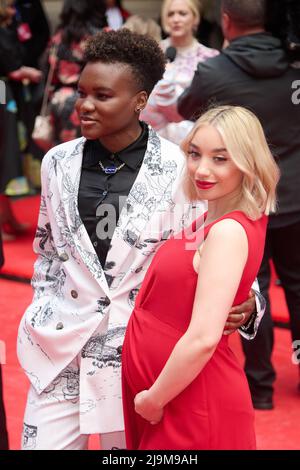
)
(180, 19)
(12, 73)
(283, 21)
(115, 13)
(141, 25)
(3, 429)
(79, 19)
(109, 200)
(255, 71)
(183, 388)
(33, 30)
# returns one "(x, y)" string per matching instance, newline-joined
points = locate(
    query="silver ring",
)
(243, 316)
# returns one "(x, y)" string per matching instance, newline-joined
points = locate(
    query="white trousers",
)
(52, 419)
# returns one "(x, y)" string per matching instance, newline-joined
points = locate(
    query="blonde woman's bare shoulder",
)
(228, 230)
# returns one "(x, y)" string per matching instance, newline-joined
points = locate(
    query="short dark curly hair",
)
(140, 52)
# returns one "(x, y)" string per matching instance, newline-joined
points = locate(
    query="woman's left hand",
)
(240, 314)
(146, 408)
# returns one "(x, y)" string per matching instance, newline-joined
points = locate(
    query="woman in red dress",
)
(183, 388)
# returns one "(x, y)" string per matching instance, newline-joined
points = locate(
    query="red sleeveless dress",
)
(215, 411)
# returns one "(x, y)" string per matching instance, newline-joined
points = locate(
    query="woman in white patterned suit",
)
(109, 200)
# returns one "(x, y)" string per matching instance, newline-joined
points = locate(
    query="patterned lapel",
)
(152, 185)
(69, 170)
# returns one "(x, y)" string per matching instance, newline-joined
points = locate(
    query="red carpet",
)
(19, 257)
(279, 308)
(14, 298)
(277, 429)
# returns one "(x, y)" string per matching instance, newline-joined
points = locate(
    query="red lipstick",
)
(204, 184)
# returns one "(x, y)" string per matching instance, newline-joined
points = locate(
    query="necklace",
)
(112, 169)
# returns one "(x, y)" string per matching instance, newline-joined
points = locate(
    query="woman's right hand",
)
(146, 408)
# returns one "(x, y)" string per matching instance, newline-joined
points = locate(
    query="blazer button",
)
(74, 294)
(63, 256)
(59, 326)
(119, 349)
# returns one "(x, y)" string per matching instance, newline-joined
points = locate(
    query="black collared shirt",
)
(100, 193)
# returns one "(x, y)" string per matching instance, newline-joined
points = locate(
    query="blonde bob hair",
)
(193, 5)
(246, 144)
